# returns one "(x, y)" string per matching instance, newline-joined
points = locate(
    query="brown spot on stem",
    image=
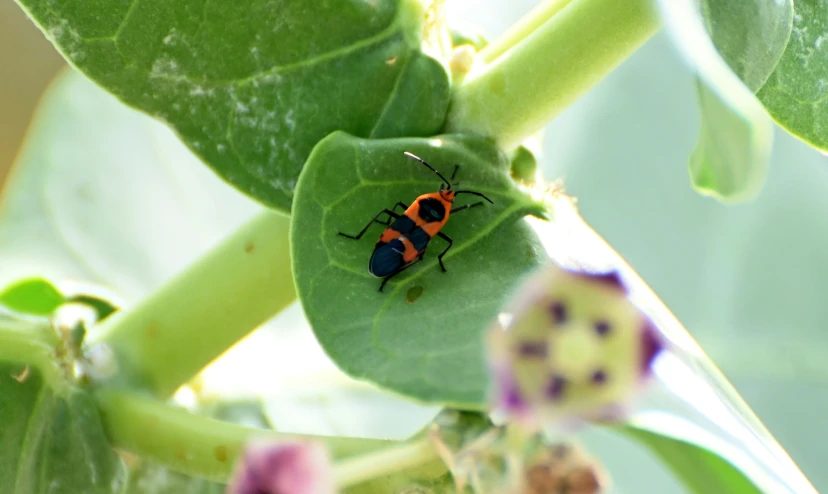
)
(180, 453)
(221, 453)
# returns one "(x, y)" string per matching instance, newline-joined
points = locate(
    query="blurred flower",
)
(564, 469)
(571, 346)
(283, 468)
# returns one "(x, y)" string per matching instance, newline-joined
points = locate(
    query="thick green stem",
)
(522, 90)
(169, 337)
(400, 458)
(522, 29)
(194, 444)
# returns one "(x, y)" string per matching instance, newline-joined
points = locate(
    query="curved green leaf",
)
(429, 349)
(34, 296)
(694, 455)
(51, 437)
(733, 57)
(796, 94)
(85, 196)
(251, 86)
(751, 37)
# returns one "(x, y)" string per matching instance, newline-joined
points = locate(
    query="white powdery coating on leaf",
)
(164, 67)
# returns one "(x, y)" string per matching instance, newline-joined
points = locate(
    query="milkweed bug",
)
(408, 236)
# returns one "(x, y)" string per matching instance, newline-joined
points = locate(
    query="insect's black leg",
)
(400, 204)
(456, 167)
(375, 219)
(467, 206)
(440, 257)
(395, 273)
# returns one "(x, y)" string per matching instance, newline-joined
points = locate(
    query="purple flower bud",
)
(574, 347)
(283, 468)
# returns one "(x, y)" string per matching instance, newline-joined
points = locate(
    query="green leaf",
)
(86, 195)
(252, 86)
(796, 94)
(750, 35)
(429, 349)
(332, 405)
(732, 58)
(34, 296)
(694, 455)
(103, 308)
(51, 437)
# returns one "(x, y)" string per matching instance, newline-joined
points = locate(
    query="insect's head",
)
(445, 188)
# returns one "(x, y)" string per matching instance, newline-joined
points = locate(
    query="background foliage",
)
(727, 272)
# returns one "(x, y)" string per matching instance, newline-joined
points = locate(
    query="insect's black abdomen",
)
(403, 224)
(432, 210)
(387, 258)
(419, 238)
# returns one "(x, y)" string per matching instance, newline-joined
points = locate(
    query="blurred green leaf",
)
(431, 349)
(252, 86)
(103, 308)
(34, 296)
(51, 437)
(686, 449)
(731, 158)
(332, 405)
(750, 35)
(796, 94)
(106, 195)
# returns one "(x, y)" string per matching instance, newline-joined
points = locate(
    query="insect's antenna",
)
(448, 184)
(473, 193)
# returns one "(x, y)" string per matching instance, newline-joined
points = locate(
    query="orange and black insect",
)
(404, 242)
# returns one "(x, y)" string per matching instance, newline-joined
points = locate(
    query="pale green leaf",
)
(691, 454)
(103, 194)
(732, 58)
(34, 296)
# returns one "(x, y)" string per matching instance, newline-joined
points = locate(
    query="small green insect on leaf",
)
(251, 86)
(430, 349)
(33, 296)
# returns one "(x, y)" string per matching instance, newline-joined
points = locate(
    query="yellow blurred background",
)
(29, 62)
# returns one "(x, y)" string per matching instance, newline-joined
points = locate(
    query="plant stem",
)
(169, 337)
(522, 29)
(358, 469)
(522, 90)
(193, 444)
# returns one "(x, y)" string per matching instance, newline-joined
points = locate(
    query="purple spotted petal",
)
(509, 396)
(558, 312)
(651, 346)
(283, 468)
(532, 349)
(602, 328)
(610, 279)
(556, 387)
